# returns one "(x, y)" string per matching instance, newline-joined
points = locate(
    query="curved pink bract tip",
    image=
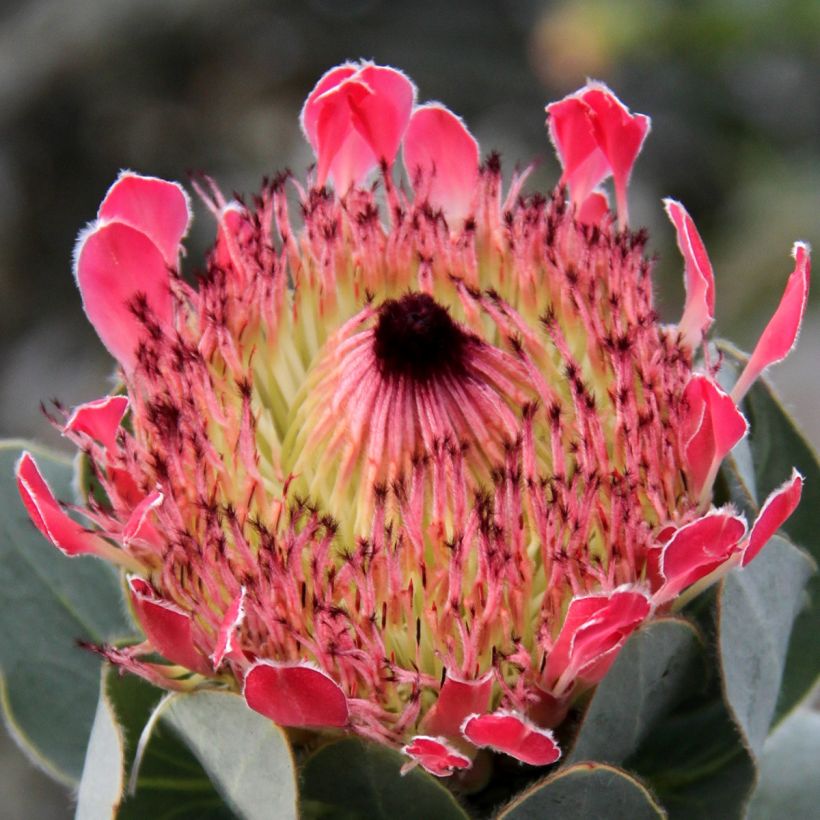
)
(620, 136)
(596, 136)
(355, 118)
(125, 287)
(570, 130)
(594, 628)
(699, 278)
(780, 335)
(168, 628)
(48, 516)
(780, 504)
(713, 426)
(441, 158)
(697, 549)
(158, 208)
(514, 735)
(295, 694)
(99, 419)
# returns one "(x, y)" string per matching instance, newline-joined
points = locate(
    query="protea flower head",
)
(410, 459)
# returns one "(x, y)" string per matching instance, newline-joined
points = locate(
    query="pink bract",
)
(415, 458)
(99, 419)
(698, 276)
(596, 136)
(594, 628)
(167, 627)
(780, 334)
(295, 694)
(514, 735)
(436, 756)
(776, 509)
(52, 521)
(125, 285)
(355, 118)
(159, 209)
(441, 158)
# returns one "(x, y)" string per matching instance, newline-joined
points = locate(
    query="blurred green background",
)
(92, 86)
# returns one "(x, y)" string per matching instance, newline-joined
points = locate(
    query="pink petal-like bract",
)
(514, 735)
(159, 209)
(570, 129)
(713, 427)
(593, 209)
(697, 549)
(52, 521)
(441, 158)
(620, 136)
(309, 118)
(99, 419)
(780, 334)
(699, 278)
(457, 699)
(167, 627)
(355, 118)
(594, 628)
(780, 504)
(295, 694)
(436, 755)
(231, 621)
(125, 285)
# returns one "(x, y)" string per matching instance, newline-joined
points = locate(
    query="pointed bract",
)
(99, 419)
(699, 278)
(596, 136)
(780, 504)
(594, 628)
(514, 735)
(570, 129)
(441, 158)
(158, 208)
(167, 627)
(620, 136)
(713, 426)
(780, 335)
(48, 516)
(295, 694)
(122, 274)
(697, 549)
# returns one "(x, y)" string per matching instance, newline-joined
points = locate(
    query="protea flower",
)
(409, 460)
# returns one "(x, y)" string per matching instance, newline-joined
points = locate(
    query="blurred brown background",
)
(92, 86)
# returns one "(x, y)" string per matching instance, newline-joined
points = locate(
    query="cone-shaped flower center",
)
(397, 389)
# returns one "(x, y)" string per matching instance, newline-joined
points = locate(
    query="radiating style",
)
(413, 456)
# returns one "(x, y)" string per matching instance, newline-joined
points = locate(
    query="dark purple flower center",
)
(416, 337)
